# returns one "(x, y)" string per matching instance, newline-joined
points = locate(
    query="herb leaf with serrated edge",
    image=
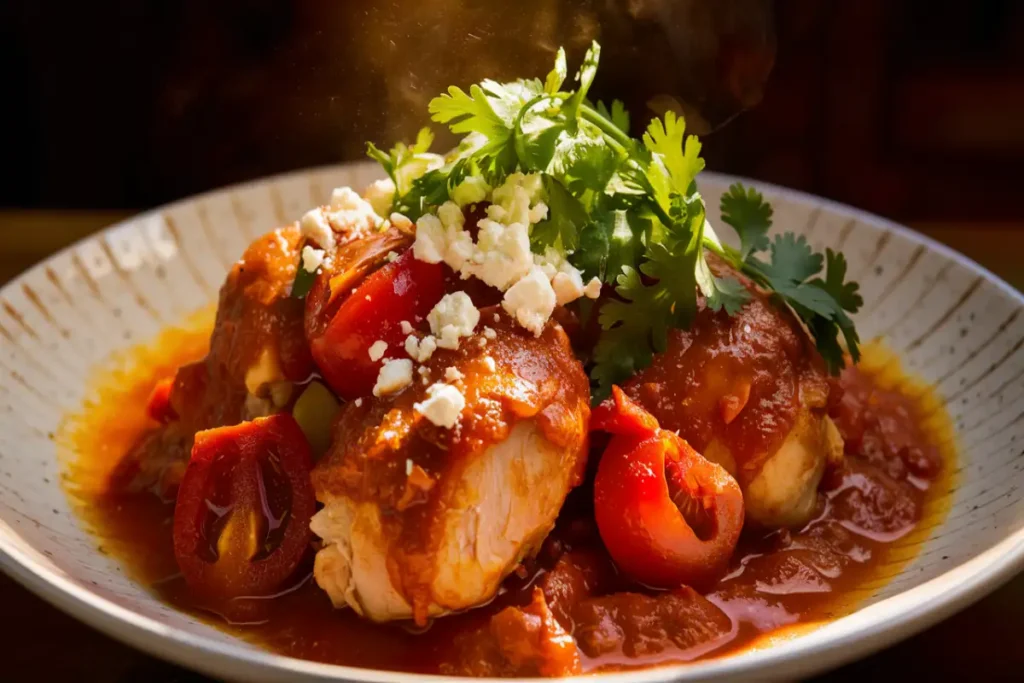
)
(628, 212)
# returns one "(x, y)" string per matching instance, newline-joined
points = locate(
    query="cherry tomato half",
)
(667, 516)
(241, 522)
(159, 405)
(405, 289)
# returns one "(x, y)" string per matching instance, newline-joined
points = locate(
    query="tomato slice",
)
(241, 522)
(403, 290)
(667, 516)
(159, 405)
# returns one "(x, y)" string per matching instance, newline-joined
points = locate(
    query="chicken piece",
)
(750, 393)
(419, 520)
(258, 349)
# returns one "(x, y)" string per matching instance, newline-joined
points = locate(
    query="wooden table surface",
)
(41, 644)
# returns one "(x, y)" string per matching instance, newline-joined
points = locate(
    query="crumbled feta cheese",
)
(452, 318)
(503, 254)
(395, 375)
(531, 301)
(452, 374)
(408, 466)
(472, 190)
(512, 201)
(420, 350)
(430, 244)
(351, 214)
(489, 364)
(314, 226)
(490, 333)
(358, 402)
(497, 317)
(593, 288)
(377, 350)
(568, 286)
(406, 327)
(401, 222)
(391, 256)
(443, 405)
(380, 194)
(424, 371)
(312, 258)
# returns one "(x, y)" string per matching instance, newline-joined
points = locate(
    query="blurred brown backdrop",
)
(909, 108)
(913, 109)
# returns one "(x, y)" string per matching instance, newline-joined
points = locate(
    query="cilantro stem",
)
(622, 141)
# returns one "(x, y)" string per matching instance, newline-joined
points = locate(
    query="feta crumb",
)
(420, 350)
(351, 214)
(490, 333)
(377, 350)
(452, 374)
(502, 255)
(358, 402)
(424, 371)
(430, 245)
(511, 201)
(593, 288)
(312, 258)
(408, 466)
(497, 317)
(568, 286)
(395, 375)
(391, 256)
(531, 301)
(401, 222)
(472, 190)
(489, 364)
(452, 318)
(380, 194)
(443, 405)
(314, 226)
(406, 327)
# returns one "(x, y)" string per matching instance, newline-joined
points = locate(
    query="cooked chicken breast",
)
(421, 520)
(258, 348)
(749, 392)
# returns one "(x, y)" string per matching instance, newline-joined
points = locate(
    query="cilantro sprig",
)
(627, 211)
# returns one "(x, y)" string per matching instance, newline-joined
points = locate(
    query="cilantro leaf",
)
(749, 215)
(679, 163)
(566, 218)
(553, 83)
(792, 259)
(611, 242)
(470, 113)
(585, 77)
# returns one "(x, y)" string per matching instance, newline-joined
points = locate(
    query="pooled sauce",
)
(872, 516)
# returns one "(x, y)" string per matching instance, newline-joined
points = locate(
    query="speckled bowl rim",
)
(864, 631)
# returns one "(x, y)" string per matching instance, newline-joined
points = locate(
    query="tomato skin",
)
(227, 473)
(405, 289)
(159, 405)
(642, 527)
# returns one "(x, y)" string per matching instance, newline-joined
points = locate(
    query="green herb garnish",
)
(628, 212)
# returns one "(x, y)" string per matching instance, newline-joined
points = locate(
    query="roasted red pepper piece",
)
(241, 522)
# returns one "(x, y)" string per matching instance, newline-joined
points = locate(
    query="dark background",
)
(910, 108)
(913, 109)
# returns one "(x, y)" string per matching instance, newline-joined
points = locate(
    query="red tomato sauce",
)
(872, 517)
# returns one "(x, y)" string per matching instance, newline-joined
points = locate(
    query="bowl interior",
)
(952, 323)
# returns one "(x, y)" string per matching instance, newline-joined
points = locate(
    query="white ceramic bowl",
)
(952, 322)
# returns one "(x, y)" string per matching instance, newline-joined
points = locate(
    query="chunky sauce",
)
(876, 510)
